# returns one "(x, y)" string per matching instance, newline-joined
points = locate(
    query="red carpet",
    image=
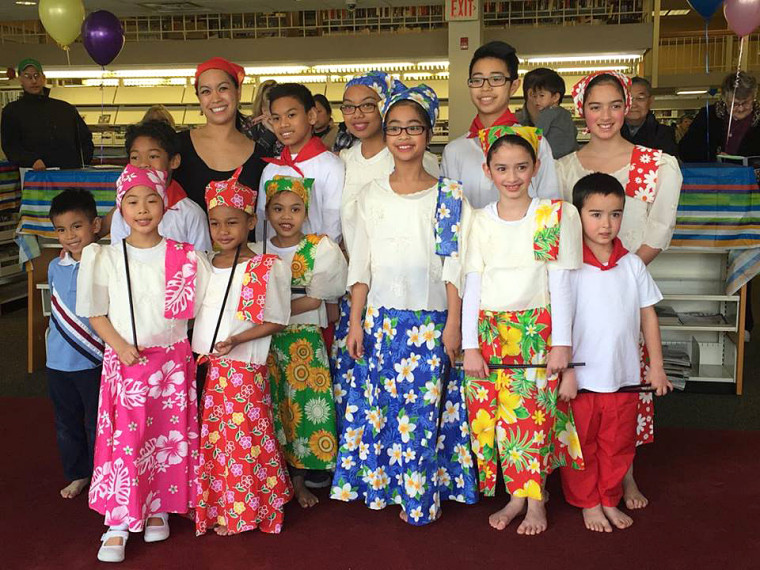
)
(704, 489)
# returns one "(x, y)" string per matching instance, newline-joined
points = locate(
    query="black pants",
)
(75, 400)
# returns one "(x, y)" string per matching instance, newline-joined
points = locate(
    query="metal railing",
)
(681, 55)
(562, 12)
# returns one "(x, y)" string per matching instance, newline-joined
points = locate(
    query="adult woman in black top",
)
(215, 150)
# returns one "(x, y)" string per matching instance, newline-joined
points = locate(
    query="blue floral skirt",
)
(405, 437)
(341, 364)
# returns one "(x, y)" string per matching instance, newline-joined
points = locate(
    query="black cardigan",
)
(693, 146)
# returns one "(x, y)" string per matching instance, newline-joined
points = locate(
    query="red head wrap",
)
(232, 69)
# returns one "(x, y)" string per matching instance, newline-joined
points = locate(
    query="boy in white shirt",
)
(493, 80)
(614, 301)
(293, 115)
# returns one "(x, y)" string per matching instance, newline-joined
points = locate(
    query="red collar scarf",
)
(507, 119)
(313, 148)
(174, 193)
(618, 251)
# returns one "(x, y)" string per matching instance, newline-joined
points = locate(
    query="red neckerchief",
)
(507, 119)
(618, 251)
(174, 193)
(313, 148)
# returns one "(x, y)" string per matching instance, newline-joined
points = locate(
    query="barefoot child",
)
(517, 310)
(301, 386)
(74, 351)
(139, 295)
(242, 481)
(405, 439)
(614, 299)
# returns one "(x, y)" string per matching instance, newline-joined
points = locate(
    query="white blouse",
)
(102, 291)
(646, 223)
(502, 252)
(276, 310)
(359, 172)
(328, 279)
(394, 250)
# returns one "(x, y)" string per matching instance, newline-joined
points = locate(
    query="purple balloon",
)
(743, 16)
(103, 36)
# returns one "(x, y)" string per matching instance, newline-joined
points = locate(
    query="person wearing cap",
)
(40, 132)
(214, 151)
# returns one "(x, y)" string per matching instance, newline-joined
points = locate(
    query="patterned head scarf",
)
(231, 69)
(231, 193)
(489, 136)
(423, 95)
(299, 186)
(579, 89)
(381, 83)
(149, 177)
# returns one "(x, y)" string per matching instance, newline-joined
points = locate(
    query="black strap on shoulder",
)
(129, 293)
(224, 300)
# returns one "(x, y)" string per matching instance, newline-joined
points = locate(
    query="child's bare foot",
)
(501, 519)
(304, 497)
(74, 488)
(221, 530)
(617, 517)
(595, 520)
(535, 520)
(634, 499)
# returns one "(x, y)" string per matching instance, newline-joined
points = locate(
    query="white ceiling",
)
(10, 11)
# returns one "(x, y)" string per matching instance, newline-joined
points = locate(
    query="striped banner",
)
(40, 187)
(10, 187)
(719, 207)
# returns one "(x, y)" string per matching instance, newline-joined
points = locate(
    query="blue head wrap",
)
(423, 95)
(381, 83)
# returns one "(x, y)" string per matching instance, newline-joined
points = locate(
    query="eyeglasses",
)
(493, 81)
(347, 109)
(411, 130)
(743, 104)
(33, 77)
(640, 98)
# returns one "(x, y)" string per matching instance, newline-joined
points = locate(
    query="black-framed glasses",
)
(348, 109)
(493, 81)
(411, 130)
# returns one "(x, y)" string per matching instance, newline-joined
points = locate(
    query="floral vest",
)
(302, 265)
(547, 220)
(642, 174)
(253, 294)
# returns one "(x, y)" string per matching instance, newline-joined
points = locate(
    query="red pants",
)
(606, 425)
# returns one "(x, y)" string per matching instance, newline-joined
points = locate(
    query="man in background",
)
(641, 127)
(40, 132)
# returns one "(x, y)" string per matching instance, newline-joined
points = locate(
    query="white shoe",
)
(113, 552)
(157, 533)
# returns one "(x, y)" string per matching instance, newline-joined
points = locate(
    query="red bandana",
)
(313, 148)
(231, 69)
(174, 193)
(507, 119)
(618, 251)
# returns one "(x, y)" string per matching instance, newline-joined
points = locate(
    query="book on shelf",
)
(667, 315)
(702, 318)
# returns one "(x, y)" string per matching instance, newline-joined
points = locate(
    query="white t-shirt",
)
(643, 222)
(359, 172)
(328, 279)
(463, 160)
(608, 321)
(276, 310)
(185, 222)
(328, 172)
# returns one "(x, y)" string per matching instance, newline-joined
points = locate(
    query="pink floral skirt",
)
(146, 448)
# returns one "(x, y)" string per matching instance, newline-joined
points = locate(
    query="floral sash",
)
(642, 176)
(546, 236)
(448, 217)
(253, 295)
(302, 265)
(181, 265)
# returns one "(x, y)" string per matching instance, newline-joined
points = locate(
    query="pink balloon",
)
(743, 16)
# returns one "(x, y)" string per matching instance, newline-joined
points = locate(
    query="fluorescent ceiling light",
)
(25, 3)
(592, 69)
(296, 78)
(588, 57)
(276, 69)
(359, 67)
(691, 91)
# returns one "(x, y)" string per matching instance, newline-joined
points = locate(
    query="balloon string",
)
(68, 55)
(102, 106)
(707, 72)
(736, 85)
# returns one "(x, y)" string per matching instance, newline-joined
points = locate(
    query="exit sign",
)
(462, 10)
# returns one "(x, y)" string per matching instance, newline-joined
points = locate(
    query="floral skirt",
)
(242, 479)
(146, 448)
(515, 415)
(405, 438)
(302, 397)
(341, 364)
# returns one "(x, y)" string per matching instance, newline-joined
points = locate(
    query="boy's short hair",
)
(74, 200)
(498, 50)
(160, 131)
(322, 100)
(299, 92)
(596, 183)
(644, 83)
(546, 79)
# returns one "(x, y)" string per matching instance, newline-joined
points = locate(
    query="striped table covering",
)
(40, 187)
(719, 207)
(10, 187)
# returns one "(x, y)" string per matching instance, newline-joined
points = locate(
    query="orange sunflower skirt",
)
(516, 411)
(302, 397)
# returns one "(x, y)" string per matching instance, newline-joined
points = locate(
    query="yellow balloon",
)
(62, 19)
